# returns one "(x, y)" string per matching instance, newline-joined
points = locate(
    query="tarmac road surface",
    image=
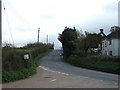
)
(53, 72)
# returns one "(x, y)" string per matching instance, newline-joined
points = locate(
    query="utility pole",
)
(0, 28)
(0, 45)
(38, 35)
(47, 39)
(119, 13)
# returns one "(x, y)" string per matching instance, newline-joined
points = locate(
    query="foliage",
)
(76, 46)
(109, 65)
(67, 38)
(91, 40)
(8, 45)
(79, 50)
(8, 76)
(74, 42)
(12, 59)
(14, 67)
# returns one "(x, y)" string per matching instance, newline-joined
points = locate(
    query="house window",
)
(110, 42)
(110, 53)
(105, 44)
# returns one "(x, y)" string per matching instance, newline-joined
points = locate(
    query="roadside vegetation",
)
(15, 66)
(109, 65)
(79, 50)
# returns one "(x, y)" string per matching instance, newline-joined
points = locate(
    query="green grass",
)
(13, 75)
(95, 64)
(9, 76)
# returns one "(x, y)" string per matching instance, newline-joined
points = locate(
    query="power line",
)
(8, 24)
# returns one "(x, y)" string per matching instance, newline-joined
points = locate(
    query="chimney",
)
(65, 27)
(74, 28)
(101, 30)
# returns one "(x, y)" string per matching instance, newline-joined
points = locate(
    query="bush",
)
(14, 67)
(8, 76)
(13, 59)
(95, 63)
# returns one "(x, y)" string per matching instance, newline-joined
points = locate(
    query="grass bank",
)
(15, 67)
(23, 73)
(109, 65)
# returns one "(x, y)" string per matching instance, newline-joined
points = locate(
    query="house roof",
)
(114, 34)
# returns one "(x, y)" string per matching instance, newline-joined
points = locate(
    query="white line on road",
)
(116, 83)
(101, 80)
(53, 80)
(47, 69)
(43, 68)
(86, 77)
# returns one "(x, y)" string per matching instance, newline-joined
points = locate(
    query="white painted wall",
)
(104, 49)
(110, 47)
(118, 47)
(114, 47)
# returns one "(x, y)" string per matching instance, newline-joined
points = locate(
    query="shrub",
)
(100, 64)
(14, 67)
(13, 59)
(8, 76)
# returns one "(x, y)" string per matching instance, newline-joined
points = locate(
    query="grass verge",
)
(108, 66)
(8, 76)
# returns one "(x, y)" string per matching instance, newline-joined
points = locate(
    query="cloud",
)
(25, 16)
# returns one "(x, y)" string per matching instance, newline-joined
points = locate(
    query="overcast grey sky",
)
(26, 16)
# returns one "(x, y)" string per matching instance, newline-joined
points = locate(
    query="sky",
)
(22, 18)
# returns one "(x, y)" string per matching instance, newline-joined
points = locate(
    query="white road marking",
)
(116, 83)
(52, 71)
(47, 69)
(43, 68)
(86, 77)
(64, 74)
(101, 80)
(67, 74)
(58, 72)
(53, 80)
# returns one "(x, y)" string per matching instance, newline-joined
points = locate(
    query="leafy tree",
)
(91, 40)
(79, 45)
(76, 43)
(67, 38)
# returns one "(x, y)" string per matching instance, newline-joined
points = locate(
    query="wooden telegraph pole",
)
(0, 46)
(0, 27)
(38, 35)
(47, 39)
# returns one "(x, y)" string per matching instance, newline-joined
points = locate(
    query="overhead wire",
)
(8, 24)
(21, 18)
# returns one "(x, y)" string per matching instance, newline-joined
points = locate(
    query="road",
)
(55, 62)
(53, 72)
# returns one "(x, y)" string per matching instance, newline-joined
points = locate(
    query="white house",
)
(111, 43)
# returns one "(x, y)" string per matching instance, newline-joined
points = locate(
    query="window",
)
(110, 53)
(110, 42)
(105, 43)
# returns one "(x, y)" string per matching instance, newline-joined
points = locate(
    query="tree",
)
(67, 38)
(76, 43)
(79, 45)
(91, 40)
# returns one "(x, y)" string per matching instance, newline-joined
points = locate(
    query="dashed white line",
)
(86, 77)
(58, 72)
(116, 83)
(53, 80)
(101, 80)
(47, 69)
(43, 68)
